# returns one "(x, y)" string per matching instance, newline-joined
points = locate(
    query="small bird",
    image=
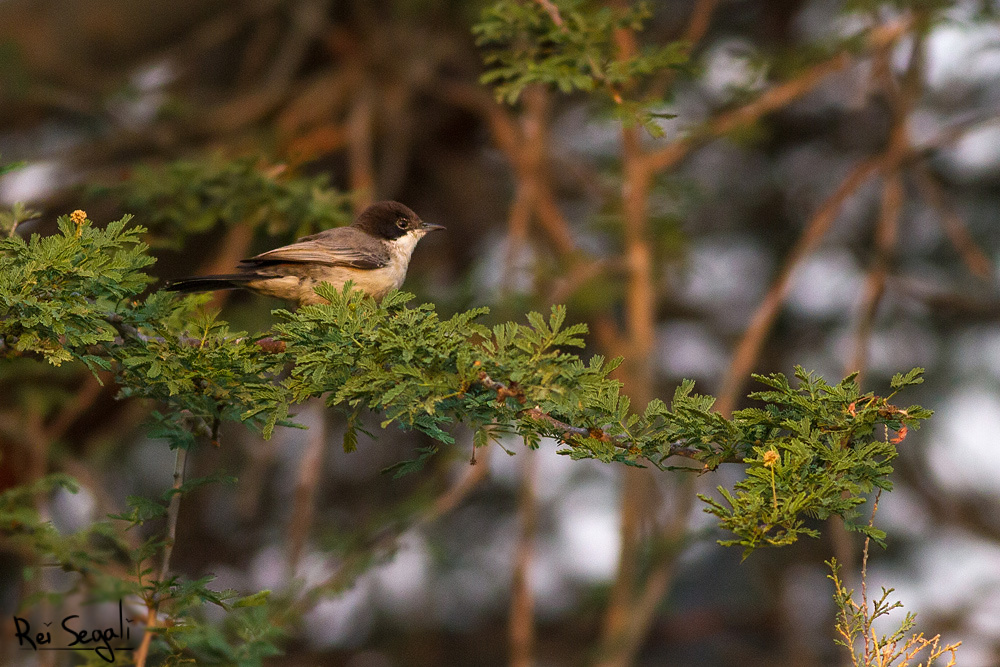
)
(374, 252)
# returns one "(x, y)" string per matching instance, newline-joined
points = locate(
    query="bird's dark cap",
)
(388, 220)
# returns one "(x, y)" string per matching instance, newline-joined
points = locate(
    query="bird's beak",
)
(428, 227)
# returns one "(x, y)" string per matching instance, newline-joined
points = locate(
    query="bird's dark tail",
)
(209, 283)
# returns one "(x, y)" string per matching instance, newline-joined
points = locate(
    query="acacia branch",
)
(568, 434)
(127, 330)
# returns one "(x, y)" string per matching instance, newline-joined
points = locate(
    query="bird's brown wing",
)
(343, 246)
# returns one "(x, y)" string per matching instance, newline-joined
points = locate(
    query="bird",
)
(373, 251)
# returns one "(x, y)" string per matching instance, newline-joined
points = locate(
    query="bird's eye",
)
(402, 223)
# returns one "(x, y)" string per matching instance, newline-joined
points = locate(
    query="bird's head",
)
(391, 220)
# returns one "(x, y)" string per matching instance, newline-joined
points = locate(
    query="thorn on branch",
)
(503, 391)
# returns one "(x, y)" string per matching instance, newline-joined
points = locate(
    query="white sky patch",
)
(827, 284)
(549, 583)
(722, 271)
(588, 530)
(401, 584)
(976, 351)
(977, 153)
(965, 450)
(154, 76)
(342, 621)
(504, 468)
(689, 349)
(72, 511)
(963, 54)
(901, 511)
(139, 107)
(730, 68)
(32, 182)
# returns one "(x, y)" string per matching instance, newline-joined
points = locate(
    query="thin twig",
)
(451, 499)
(954, 227)
(518, 221)
(522, 603)
(528, 155)
(554, 223)
(128, 331)
(697, 26)
(553, 13)
(864, 574)
(173, 510)
(774, 98)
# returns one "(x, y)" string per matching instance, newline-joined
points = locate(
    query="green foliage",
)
(246, 637)
(526, 45)
(56, 292)
(199, 370)
(817, 450)
(111, 567)
(182, 198)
